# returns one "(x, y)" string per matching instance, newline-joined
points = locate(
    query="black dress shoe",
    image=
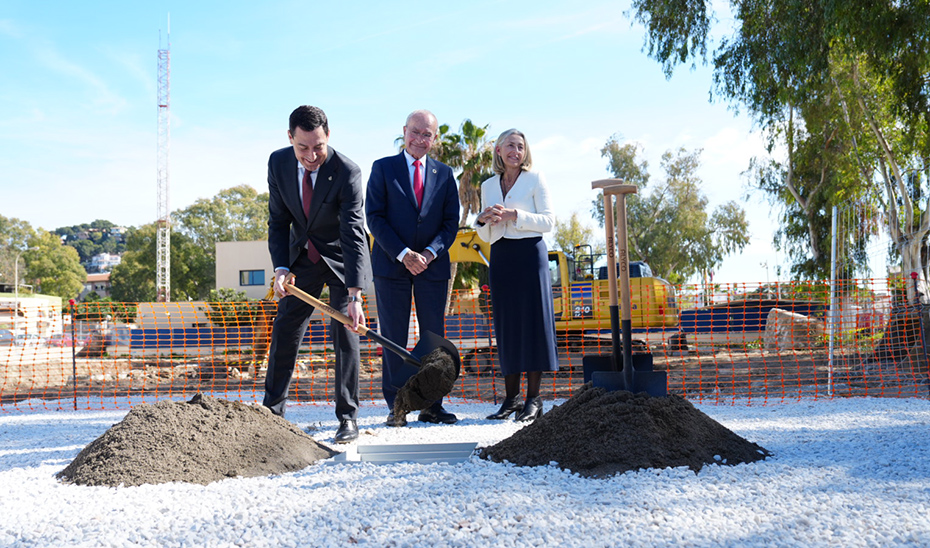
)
(437, 416)
(348, 431)
(395, 421)
(509, 406)
(532, 410)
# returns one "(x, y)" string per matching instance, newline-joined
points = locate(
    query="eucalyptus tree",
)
(669, 225)
(868, 60)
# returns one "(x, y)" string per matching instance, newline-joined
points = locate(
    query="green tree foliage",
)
(623, 163)
(867, 61)
(237, 214)
(53, 268)
(91, 239)
(578, 241)
(668, 223)
(571, 233)
(780, 50)
(15, 235)
(471, 153)
(98, 309)
(470, 275)
(230, 308)
(192, 269)
(816, 173)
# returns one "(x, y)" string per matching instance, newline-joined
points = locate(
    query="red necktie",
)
(312, 253)
(418, 183)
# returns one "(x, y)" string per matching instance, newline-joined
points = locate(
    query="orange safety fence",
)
(752, 343)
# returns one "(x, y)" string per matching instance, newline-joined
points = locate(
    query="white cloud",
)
(139, 69)
(570, 166)
(96, 91)
(10, 29)
(732, 146)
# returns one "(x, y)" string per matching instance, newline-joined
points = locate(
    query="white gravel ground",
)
(844, 473)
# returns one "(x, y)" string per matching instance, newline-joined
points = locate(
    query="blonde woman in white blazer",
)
(517, 212)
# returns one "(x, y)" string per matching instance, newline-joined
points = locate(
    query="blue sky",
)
(78, 113)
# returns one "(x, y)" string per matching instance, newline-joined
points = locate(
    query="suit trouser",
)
(290, 325)
(393, 296)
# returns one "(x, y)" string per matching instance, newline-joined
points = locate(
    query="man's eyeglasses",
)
(422, 136)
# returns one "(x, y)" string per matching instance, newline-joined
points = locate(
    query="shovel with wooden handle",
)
(412, 359)
(622, 370)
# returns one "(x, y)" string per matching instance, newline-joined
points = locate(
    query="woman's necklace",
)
(507, 185)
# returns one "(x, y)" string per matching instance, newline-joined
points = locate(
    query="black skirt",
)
(521, 299)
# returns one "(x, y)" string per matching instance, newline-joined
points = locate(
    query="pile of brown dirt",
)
(433, 381)
(200, 441)
(598, 433)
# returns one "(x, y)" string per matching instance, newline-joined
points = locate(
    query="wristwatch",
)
(354, 298)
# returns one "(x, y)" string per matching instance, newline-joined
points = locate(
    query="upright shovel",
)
(621, 370)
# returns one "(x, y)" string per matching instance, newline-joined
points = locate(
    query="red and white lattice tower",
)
(163, 219)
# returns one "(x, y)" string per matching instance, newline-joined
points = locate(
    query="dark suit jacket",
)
(395, 222)
(335, 224)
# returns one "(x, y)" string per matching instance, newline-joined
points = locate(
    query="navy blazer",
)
(396, 223)
(335, 224)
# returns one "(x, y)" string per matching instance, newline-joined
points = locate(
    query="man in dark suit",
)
(412, 207)
(316, 237)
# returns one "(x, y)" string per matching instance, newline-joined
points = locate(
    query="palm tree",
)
(471, 152)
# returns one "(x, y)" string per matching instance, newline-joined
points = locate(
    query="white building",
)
(103, 262)
(244, 266)
(38, 315)
(98, 283)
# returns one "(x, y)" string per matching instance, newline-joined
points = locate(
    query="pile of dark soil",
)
(200, 441)
(433, 381)
(598, 433)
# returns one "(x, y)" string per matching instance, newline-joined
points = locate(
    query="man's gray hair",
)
(421, 111)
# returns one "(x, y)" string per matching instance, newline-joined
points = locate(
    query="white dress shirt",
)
(410, 170)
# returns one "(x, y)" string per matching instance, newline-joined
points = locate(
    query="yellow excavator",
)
(579, 293)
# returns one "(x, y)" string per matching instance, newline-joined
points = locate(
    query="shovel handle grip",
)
(323, 307)
(345, 320)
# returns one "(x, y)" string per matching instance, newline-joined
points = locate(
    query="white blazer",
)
(529, 196)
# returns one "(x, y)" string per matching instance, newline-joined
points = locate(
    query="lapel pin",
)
(434, 172)
(330, 177)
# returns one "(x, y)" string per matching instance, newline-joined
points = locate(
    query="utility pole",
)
(163, 218)
(16, 292)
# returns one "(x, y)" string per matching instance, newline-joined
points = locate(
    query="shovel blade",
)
(610, 381)
(427, 343)
(599, 370)
(654, 383)
(642, 362)
(597, 363)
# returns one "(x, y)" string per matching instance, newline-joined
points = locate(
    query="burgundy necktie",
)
(312, 253)
(418, 183)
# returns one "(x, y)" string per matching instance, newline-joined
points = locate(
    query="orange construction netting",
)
(754, 343)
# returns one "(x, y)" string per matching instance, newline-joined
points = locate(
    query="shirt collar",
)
(410, 159)
(301, 170)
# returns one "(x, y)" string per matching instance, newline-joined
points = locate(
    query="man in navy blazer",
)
(316, 237)
(412, 208)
